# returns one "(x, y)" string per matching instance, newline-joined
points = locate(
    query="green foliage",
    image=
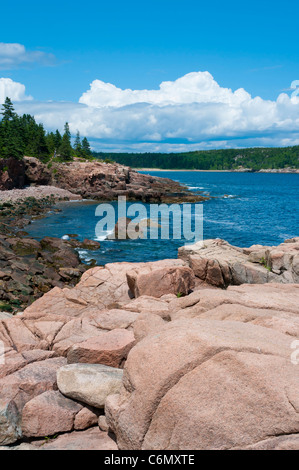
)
(263, 262)
(86, 147)
(65, 150)
(5, 307)
(229, 159)
(77, 145)
(22, 135)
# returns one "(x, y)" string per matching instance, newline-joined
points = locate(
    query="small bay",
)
(244, 209)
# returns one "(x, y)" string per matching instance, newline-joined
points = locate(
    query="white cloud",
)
(14, 90)
(190, 113)
(195, 87)
(13, 55)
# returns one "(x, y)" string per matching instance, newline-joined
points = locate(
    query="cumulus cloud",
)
(190, 113)
(195, 87)
(13, 55)
(14, 90)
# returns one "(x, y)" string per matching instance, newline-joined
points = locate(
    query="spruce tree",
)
(58, 139)
(77, 145)
(8, 111)
(86, 148)
(65, 150)
(11, 133)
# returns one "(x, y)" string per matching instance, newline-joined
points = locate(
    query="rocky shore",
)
(38, 193)
(156, 356)
(29, 268)
(106, 181)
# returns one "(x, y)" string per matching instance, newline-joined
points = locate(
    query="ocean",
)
(244, 209)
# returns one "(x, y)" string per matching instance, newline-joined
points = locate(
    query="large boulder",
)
(48, 414)
(19, 388)
(206, 384)
(221, 264)
(160, 280)
(89, 383)
(110, 349)
(91, 439)
(10, 429)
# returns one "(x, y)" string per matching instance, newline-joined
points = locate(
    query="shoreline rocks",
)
(106, 181)
(152, 370)
(89, 383)
(220, 264)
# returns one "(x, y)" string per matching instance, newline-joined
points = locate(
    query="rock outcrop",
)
(211, 369)
(29, 268)
(36, 172)
(226, 385)
(221, 264)
(12, 173)
(106, 181)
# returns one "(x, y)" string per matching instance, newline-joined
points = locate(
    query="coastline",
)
(292, 171)
(37, 192)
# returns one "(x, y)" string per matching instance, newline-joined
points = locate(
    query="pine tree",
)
(8, 111)
(58, 139)
(11, 133)
(77, 145)
(50, 140)
(86, 147)
(65, 149)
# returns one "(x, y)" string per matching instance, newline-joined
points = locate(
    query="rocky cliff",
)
(106, 181)
(12, 173)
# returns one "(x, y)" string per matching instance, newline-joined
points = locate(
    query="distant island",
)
(285, 159)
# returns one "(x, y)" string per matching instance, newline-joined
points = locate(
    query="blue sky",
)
(138, 45)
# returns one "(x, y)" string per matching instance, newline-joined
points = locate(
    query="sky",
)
(157, 75)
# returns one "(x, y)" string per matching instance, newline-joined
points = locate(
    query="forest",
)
(229, 159)
(22, 135)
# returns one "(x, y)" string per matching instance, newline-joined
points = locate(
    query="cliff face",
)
(12, 173)
(105, 181)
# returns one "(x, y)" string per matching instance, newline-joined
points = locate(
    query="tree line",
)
(22, 135)
(229, 159)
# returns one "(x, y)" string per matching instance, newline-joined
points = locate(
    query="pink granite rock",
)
(160, 281)
(48, 414)
(109, 348)
(206, 384)
(92, 439)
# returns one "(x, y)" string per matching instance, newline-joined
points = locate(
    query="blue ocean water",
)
(244, 209)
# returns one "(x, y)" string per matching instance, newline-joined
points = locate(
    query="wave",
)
(101, 238)
(195, 187)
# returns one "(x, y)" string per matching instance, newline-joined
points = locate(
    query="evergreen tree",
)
(50, 140)
(58, 139)
(11, 133)
(65, 150)
(86, 147)
(8, 111)
(77, 145)
(41, 143)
